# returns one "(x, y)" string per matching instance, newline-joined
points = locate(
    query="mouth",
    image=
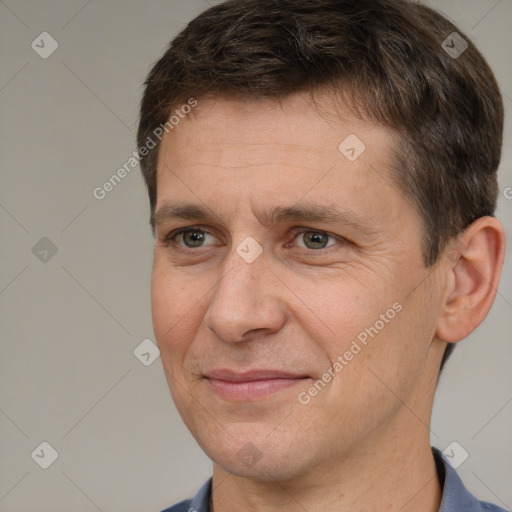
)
(251, 385)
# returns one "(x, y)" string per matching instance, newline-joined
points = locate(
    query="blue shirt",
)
(456, 498)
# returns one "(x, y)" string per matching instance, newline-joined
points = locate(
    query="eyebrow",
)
(305, 212)
(168, 212)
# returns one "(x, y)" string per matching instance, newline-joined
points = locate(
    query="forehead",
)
(231, 153)
(294, 132)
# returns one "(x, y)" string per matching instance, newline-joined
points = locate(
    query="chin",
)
(258, 458)
(267, 469)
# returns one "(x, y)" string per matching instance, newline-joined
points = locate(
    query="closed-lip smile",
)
(251, 385)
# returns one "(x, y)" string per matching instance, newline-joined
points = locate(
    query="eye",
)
(192, 238)
(314, 239)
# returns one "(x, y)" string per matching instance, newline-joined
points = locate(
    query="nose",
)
(246, 301)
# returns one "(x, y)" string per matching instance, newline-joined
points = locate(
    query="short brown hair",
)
(386, 59)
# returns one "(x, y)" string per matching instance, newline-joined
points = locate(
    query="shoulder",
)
(456, 498)
(183, 506)
(199, 503)
(489, 507)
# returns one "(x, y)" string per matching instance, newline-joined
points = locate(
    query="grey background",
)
(70, 325)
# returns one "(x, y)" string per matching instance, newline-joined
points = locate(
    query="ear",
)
(474, 261)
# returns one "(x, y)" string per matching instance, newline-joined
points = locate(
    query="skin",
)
(363, 441)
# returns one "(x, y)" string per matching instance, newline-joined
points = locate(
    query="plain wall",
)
(70, 325)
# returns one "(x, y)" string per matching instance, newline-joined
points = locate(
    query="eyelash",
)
(170, 239)
(300, 231)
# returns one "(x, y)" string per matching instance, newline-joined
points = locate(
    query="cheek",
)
(176, 308)
(360, 327)
(339, 308)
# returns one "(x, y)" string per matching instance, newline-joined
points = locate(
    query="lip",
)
(251, 385)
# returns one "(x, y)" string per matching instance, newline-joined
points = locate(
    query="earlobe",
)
(474, 261)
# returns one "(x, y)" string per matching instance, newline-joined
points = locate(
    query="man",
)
(324, 227)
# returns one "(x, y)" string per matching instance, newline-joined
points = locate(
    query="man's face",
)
(298, 254)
